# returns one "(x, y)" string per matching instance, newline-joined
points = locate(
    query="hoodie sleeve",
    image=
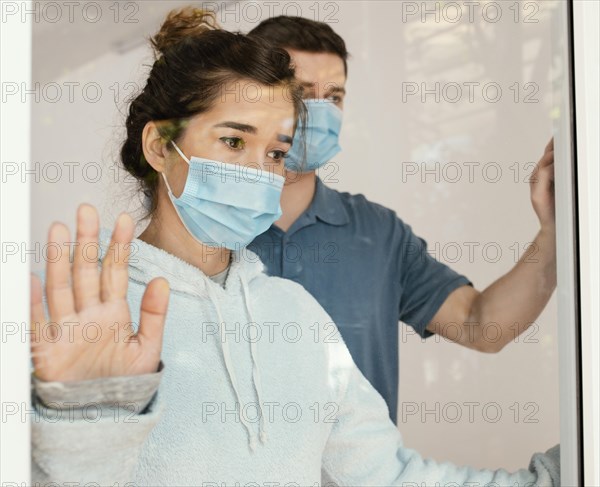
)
(92, 432)
(365, 448)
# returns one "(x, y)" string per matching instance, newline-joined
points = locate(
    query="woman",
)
(255, 385)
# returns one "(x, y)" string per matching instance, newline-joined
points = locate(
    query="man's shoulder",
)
(368, 217)
(359, 206)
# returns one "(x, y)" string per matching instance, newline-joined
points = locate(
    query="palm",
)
(90, 333)
(542, 187)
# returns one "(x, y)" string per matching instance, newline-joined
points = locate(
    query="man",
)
(363, 263)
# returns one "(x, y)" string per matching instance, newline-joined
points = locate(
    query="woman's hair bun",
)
(182, 24)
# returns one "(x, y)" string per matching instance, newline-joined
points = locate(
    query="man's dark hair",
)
(301, 34)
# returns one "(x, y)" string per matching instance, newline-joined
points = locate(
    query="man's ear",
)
(154, 147)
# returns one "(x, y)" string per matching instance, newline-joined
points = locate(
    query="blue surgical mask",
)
(226, 205)
(322, 137)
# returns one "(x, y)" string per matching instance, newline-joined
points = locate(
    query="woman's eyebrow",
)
(335, 89)
(242, 127)
(284, 138)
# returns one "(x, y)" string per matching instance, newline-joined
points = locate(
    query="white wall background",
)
(385, 140)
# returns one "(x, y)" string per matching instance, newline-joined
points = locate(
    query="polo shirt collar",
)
(327, 205)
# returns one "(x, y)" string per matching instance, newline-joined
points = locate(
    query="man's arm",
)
(490, 319)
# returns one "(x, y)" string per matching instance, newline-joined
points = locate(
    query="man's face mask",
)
(321, 136)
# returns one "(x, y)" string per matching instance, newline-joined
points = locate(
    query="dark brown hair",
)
(194, 59)
(302, 34)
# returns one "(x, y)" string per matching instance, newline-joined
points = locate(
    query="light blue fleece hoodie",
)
(256, 387)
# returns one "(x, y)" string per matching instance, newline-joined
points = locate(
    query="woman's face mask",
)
(227, 205)
(231, 194)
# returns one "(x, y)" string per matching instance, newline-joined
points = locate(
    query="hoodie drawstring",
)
(231, 370)
(255, 370)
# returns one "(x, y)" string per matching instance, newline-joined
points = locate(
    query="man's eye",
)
(277, 155)
(233, 142)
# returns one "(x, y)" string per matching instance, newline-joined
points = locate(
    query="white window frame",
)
(15, 143)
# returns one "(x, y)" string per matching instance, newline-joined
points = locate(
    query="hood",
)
(147, 262)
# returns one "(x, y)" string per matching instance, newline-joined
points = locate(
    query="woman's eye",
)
(335, 99)
(233, 142)
(277, 155)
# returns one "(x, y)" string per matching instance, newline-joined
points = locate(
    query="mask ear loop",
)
(184, 158)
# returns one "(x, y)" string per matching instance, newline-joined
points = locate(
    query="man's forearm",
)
(515, 300)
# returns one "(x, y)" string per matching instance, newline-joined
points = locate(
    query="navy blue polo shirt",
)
(368, 270)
